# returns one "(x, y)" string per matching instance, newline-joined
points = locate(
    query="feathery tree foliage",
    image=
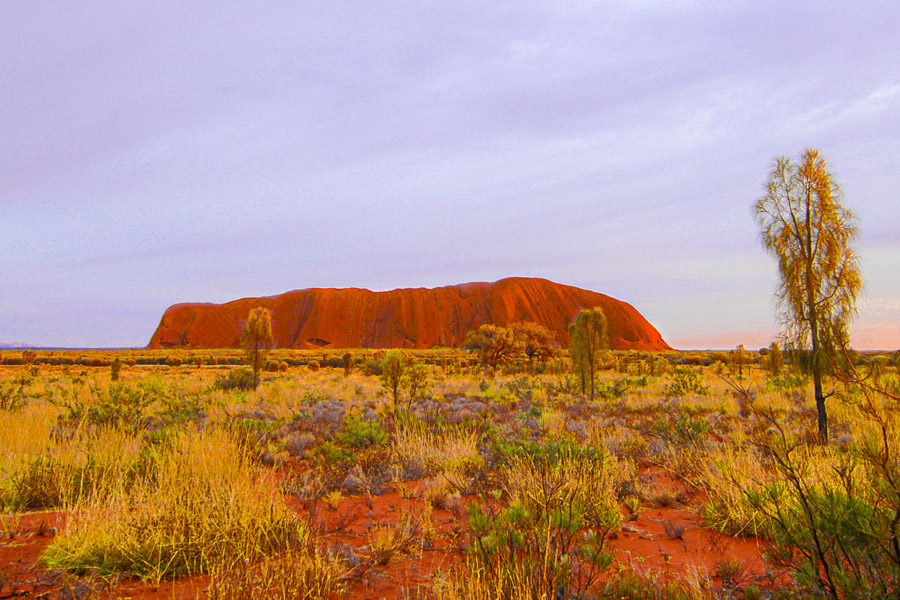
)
(399, 372)
(588, 339)
(537, 341)
(774, 360)
(495, 345)
(257, 339)
(808, 231)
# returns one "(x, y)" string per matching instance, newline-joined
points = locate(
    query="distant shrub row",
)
(371, 361)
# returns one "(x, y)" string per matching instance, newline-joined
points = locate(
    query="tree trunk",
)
(820, 409)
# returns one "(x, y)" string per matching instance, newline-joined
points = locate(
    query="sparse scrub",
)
(558, 507)
(831, 511)
(526, 475)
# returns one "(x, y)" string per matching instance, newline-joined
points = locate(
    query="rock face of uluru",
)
(404, 318)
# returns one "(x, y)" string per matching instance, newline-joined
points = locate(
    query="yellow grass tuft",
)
(202, 507)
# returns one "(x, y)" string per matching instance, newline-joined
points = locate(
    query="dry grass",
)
(162, 499)
(83, 464)
(454, 452)
(290, 576)
(202, 507)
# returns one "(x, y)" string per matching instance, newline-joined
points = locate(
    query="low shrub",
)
(242, 379)
(554, 522)
(685, 382)
(361, 433)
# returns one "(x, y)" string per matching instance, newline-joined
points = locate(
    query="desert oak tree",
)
(494, 345)
(588, 338)
(537, 341)
(808, 231)
(257, 339)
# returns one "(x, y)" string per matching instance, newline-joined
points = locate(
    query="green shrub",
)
(557, 514)
(14, 395)
(361, 433)
(684, 382)
(241, 379)
(680, 426)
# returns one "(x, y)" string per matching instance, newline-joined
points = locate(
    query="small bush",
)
(14, 395)
(685, 382)
(241, 378)
(360, 433)
(114, 368)
(559, 511)
(28, 357)
(372, 368)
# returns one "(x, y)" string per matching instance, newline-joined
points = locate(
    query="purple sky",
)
(161, 152)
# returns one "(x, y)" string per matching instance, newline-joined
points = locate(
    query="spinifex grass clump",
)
(518, 580)
(727, 474)
(423, 452)
(203, 507)
(88, 464)
(290, 576)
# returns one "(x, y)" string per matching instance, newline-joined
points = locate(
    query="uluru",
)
(403, 318)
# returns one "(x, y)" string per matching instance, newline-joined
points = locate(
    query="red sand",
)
(405, 318)
(643, 545)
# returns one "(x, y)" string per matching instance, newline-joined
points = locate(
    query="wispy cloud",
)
(164, 152)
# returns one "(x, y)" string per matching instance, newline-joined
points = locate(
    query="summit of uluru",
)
(403, 318)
